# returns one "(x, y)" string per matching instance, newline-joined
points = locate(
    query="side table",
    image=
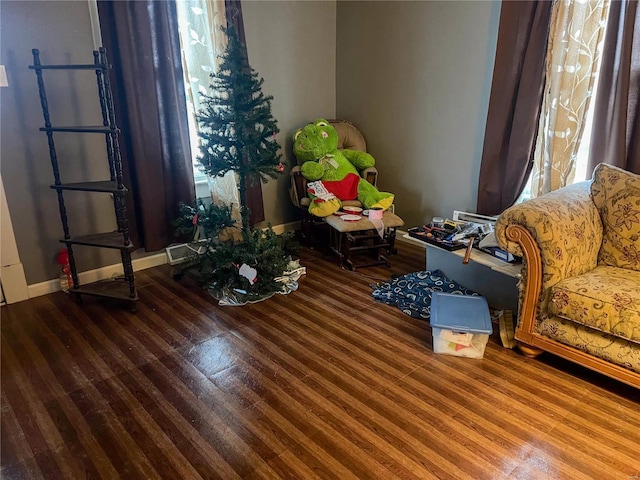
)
(489, 276)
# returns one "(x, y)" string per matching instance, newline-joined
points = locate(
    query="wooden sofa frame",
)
(533, 344)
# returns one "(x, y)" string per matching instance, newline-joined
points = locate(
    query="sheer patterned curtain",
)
(200, 24)
(575, 42)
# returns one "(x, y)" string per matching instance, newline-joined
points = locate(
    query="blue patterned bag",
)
(411, 293)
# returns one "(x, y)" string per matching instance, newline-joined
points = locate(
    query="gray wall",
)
(62, 32)
(291, 44)
(416, 76)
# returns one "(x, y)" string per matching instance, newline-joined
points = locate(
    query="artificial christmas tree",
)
(237, 130)
(238, 134)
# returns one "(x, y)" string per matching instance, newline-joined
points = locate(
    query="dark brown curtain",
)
(615, 137)
(233, 12)
(514, 105)
(141, 38)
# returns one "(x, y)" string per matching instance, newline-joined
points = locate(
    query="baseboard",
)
(104, 273)
(286, 227)
(98, 274)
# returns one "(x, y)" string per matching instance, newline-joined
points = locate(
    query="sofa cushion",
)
(606, 299)
(613, 349)
(616, 194)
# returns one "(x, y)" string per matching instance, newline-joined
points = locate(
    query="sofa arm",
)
(559, 235)
(298, 188)
(566, 227)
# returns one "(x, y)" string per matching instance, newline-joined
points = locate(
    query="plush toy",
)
(333, 174)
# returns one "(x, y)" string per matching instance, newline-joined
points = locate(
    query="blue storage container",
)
(461, 324)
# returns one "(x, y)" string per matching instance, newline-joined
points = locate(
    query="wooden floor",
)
(321, 383)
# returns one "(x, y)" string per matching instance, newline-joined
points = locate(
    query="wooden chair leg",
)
(528, 350)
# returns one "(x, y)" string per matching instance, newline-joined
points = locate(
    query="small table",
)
(362, 236)
(489, 276)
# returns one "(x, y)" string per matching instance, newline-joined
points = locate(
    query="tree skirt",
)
(411, 293)
(235, 297)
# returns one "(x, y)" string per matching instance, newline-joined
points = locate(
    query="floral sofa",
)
(580, 288)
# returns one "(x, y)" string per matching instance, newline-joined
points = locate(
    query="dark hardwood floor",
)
(321, 383)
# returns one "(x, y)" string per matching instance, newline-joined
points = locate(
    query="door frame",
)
(12, 277)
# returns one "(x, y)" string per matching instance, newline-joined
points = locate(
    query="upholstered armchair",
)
(580, 288)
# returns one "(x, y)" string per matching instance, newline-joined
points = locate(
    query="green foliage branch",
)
(237, 130)
(218, 266)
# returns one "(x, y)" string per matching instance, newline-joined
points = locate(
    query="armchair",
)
(580, 288)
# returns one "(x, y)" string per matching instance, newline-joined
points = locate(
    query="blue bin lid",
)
(461, 313)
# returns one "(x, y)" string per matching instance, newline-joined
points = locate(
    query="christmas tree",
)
(238, 134)
(237, 130)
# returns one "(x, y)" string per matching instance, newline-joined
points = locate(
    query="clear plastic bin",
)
(461, 324)
(475, 349)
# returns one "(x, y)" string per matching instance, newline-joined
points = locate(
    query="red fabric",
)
(345, 189)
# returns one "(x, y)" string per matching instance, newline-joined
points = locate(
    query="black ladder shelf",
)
(119, 239)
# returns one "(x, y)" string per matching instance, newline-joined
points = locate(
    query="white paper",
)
(461, 338)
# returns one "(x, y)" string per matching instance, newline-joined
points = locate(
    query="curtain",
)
(142, 43)
(514, 104)
(203, 41)
(616, 123)
(575, 37)
(233, 12)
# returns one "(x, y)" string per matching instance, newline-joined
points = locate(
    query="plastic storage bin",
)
(461, 324)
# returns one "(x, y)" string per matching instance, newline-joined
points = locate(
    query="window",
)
(202, 39)
(576, 35)
(582, 156)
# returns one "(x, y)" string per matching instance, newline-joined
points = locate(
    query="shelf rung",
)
(118, 289)
(103, 186)
(84, 66)
(104, 240)
(81, 129)
(369, 247)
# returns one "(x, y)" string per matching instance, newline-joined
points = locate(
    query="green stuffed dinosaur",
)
(317, 146)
